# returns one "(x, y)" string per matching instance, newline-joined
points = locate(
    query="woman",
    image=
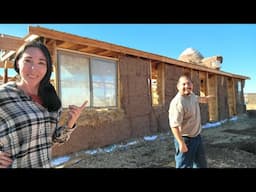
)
(30, 111)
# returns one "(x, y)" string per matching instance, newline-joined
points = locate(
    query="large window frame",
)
(87, 77)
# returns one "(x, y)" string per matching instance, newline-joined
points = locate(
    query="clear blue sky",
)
(235, 42)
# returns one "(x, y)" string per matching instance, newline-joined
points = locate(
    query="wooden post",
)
(5, 77)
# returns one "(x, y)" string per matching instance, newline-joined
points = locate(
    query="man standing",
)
(185, 124)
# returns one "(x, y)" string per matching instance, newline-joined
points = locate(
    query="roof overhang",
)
(96, 47)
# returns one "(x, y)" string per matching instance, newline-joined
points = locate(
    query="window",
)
(103, 74)
(83, 78)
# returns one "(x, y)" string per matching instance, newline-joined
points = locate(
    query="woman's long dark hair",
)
(46, 91)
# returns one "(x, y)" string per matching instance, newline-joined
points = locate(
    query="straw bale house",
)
(128, 90)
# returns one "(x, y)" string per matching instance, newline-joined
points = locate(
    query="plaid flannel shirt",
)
(27, 129)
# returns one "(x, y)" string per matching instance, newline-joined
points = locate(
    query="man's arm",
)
(176, 133)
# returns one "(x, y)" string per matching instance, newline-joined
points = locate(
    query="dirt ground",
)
(230, 145)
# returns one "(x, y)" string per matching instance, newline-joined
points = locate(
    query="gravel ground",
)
(230, 145)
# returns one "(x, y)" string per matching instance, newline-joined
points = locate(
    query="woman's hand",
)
(5, 160)
(74, 113)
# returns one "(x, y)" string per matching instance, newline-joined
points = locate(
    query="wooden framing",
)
(212, 90)
(10, 43)
(203, 83)
(157, 80)
(231, 97)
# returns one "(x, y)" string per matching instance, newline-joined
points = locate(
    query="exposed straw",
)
(96, 117)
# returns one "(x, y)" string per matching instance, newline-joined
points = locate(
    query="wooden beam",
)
(5, 77)
(30, 37)
(52, 34)
(7, 55)
(9, 43)
(8, 64)
(234, 95)
(55, 68)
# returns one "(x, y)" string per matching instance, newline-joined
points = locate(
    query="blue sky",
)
(236, 43)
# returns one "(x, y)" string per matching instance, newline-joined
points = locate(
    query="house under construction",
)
(128, 90)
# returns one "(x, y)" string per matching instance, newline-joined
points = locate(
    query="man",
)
(185, 123)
